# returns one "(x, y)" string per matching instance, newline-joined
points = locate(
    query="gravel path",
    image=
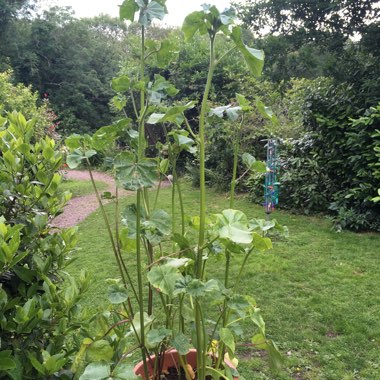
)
(77, 209)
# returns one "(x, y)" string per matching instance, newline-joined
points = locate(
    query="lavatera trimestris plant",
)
(171, 302)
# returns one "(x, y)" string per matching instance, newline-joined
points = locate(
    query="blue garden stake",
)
(271, 184)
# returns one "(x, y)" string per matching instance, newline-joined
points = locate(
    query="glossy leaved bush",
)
(38, 311)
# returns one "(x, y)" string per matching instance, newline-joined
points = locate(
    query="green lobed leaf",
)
(75, 158)
(121, 84)
(133, 175)
(164, 277)
(261, 243)
(156, 336)
(148, 320)
(248, 160)
(193, 22)
(198, 288)
(164, 53)
(178, 262)
(253, 57)
(155, 10)
(104, 137)
(259, 167)
(266, 111)
(128, 9)
(124, 371)
(181, 343)
(260, 342)
(117, 294)
(155, 118)
(239, 304)
(233, 225)
(99, 350)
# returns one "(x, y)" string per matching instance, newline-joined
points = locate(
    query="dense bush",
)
(38, 311)
(333, 167)
(21, 98)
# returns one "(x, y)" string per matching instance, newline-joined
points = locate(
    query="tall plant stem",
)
(199, 326)
(139, 202)
(141, 148)
(140, 280)
(235, 163)
(234, 174)
(173, 199)
(202, 124)
(150, 290)
(181, 206)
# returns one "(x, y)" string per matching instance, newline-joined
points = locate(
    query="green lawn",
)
(318, 292)
(81, 187)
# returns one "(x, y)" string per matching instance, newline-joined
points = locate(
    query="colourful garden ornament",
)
(271, 184)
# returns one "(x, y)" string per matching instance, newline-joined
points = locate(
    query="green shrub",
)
(333, 167)
(23, 99)
(37, 312)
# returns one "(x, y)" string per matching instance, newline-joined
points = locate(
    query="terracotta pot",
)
(171, 359)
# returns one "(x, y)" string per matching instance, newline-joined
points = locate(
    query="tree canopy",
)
(343, 17)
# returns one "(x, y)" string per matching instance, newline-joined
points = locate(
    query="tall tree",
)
(71, 62)
(344, 17)
(9, 10)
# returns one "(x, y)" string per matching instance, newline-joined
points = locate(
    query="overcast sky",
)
(177, 9)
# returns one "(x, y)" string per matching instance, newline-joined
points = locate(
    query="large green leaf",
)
(156, 336)
(96, 371)
(164, 277)
(181, 344)
(231, 112)
(195, 287)
(253, 57)
(124, 371)
(155, 10)
(164, 54)
(227, 338)
(159, 89)
(173, 114)
(266, 112)
(117, 293)
(121, 84)
(155, 228)
(260, 342)
(75, 158)
(133, 174)
(239, 304)
(233, 225)
(251, 163)
(6, 362)
(258, 320)
(148, 320)
(193, 22)
(128, 10)
(104, 137)
(261, 243)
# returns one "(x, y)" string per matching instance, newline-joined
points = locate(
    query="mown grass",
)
(81, 187)
(318, 291)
